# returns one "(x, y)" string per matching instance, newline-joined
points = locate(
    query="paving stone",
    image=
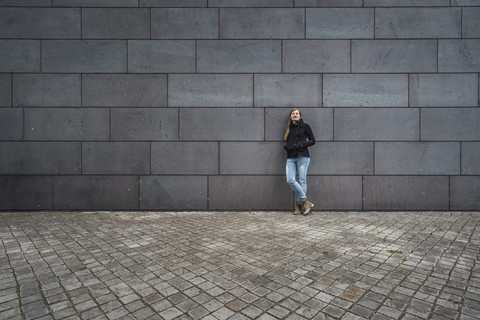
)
(186, 255)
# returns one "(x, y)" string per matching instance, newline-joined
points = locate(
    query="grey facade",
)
(166, 104)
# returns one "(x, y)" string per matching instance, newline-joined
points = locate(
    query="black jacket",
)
(297, 143)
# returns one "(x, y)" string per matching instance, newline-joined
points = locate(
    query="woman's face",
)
(295, 115)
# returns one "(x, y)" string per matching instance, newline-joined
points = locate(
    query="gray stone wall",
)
(182, 104)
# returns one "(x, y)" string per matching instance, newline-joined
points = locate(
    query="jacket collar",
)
(299, 122)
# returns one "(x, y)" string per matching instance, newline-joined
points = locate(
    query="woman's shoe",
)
(307, 206)
(298, 208)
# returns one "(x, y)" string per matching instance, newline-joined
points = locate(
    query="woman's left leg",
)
(302, 168)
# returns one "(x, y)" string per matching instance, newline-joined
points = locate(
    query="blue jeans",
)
(298, 166)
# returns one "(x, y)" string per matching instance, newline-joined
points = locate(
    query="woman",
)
(299, 137)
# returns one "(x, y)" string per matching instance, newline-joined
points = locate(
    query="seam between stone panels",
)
(110, 124)
(178, 126)
(420, 110)
(126, 56)
(41, 55)
(333, 122)
(24, 127)
(351, 55)
(253, 100)
(81, 89)
(281, 55)
(449, 194)
(373, 155)
(219, 157)
(139, 193)
(167, 80)
(81, 158)
(208, 191)
(305, 23)
(363, 193)
(460, 156)
(218, 22)
(461, 21)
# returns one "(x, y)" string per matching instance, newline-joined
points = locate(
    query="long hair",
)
(287, 131)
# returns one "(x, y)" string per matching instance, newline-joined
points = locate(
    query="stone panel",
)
(405, 193)
(319, 119)
(11, 124)
(26, 3)
(37, 23)
(124, 90)
(470, 158)
(339, 23)
(335, 192)
(5, 90)
(173, 3)
(465, 193)
(406, 3)
(341, 158)
(115, 23)
(316, 56)
(67, 124)
(49, 90)
(418, 158)
(185, 23)
(394, 56)
(40, 158)
(239, 56)
(249, 193)
(96, 192)
(262, 23)
(163, 56)
(210, 90)
(19, 55)
(401, 23)
(286, 90)
(365, 90)
(262, 158)
(220, 124)
(450, 124)
(84, 56)
(94, 3)
(376, 124)
(459, 55)
(250, 3)
(328, 3)
(26, 192)
(185, 158)
(116, 157)
(144, 124)
(466, 3)
(443, 90)
(174, 192)
(471, 23)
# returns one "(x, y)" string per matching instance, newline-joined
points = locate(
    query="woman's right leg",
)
(291, 172)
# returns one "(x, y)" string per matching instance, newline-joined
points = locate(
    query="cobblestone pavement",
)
(239, 265)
